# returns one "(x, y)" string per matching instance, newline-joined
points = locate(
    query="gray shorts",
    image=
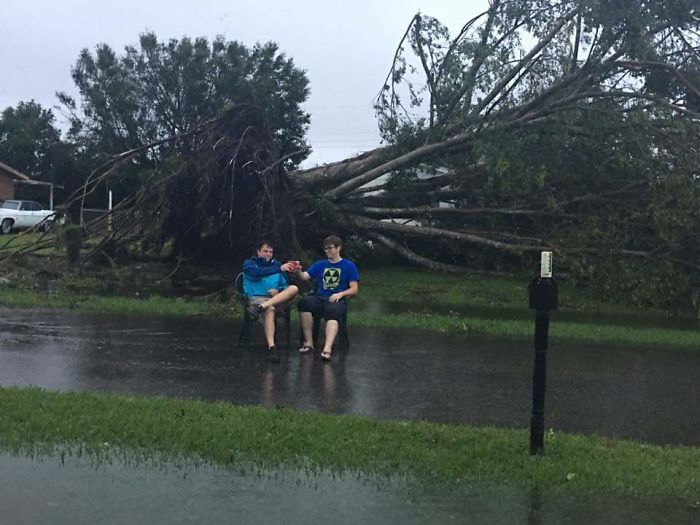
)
(260, 299)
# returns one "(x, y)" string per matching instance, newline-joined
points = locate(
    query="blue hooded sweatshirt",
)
(260, 275)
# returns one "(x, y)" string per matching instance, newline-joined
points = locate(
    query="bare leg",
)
(331, 333)
(307, 326)
(269, 326)
(285, 295)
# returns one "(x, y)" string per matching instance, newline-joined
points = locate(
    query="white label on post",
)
(546, 265)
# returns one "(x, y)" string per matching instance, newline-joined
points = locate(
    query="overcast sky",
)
(346, 47)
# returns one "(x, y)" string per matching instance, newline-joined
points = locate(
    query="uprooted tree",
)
(569, 125)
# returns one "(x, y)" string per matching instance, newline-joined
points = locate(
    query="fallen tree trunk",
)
(496, 148)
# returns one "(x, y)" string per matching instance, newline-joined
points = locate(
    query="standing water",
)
(80, 490)
(645, 393)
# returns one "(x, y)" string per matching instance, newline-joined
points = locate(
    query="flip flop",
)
(305, 349)
(326, 356)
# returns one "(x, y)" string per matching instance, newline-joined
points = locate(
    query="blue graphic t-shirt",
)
(333, 277)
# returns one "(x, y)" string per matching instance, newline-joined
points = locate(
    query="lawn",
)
(416, 299)
(34, 421)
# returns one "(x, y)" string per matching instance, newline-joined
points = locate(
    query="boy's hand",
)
(291, 266)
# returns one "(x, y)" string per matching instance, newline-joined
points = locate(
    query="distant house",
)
(8, 177)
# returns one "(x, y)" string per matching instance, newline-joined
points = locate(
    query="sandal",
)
(326, 356)
(305, 349)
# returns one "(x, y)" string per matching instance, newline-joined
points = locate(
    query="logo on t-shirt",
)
(331, 278)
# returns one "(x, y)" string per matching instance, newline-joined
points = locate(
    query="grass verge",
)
(519, 329)
(489, 305)
(124, 305)
(34, 421)
(451, 323)
(401, 284)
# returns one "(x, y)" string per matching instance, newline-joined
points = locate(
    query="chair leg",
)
(288, 328)
(247, 326)
(244, 321)
(344, 338)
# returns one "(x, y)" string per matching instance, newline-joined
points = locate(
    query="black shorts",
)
(319, 305)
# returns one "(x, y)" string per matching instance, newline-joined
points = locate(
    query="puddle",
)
(79, 490)
(647, 393)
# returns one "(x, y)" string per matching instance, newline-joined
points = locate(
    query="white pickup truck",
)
(15, 215)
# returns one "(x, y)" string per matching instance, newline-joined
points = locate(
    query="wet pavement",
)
(643, 393)
(73, 491)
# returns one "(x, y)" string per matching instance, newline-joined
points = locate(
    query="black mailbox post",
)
(543, 298)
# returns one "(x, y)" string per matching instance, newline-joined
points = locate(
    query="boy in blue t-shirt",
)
(267, 288)
(336, 278)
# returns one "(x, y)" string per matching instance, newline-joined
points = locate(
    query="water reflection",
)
(267, 388)
(534, 513)
(328, 387)
(80, 490)
(644, 393)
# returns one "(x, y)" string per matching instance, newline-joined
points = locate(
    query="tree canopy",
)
(167, 89)
(30, 141)
(161, 89)
(567, 125)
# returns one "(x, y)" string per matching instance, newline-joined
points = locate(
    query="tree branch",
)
(414, 257)
(479, 58)
(426, 69)
(365, 223)
(397, 163)
(523, 63)
(430, 211)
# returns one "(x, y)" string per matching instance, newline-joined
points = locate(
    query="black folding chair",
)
(247, 323)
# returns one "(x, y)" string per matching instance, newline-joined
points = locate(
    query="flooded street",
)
(79, 491)
(643, 393)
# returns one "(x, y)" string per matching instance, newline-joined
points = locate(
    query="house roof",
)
(13, 172)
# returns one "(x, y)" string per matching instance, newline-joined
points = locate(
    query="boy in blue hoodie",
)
(268, 290)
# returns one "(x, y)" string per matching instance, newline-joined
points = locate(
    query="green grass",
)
(413, 284)
(122, 305)
(488, 292)
(519, 329)
(495, 306)
(512, 329)
(37, 421)
(22, 240)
